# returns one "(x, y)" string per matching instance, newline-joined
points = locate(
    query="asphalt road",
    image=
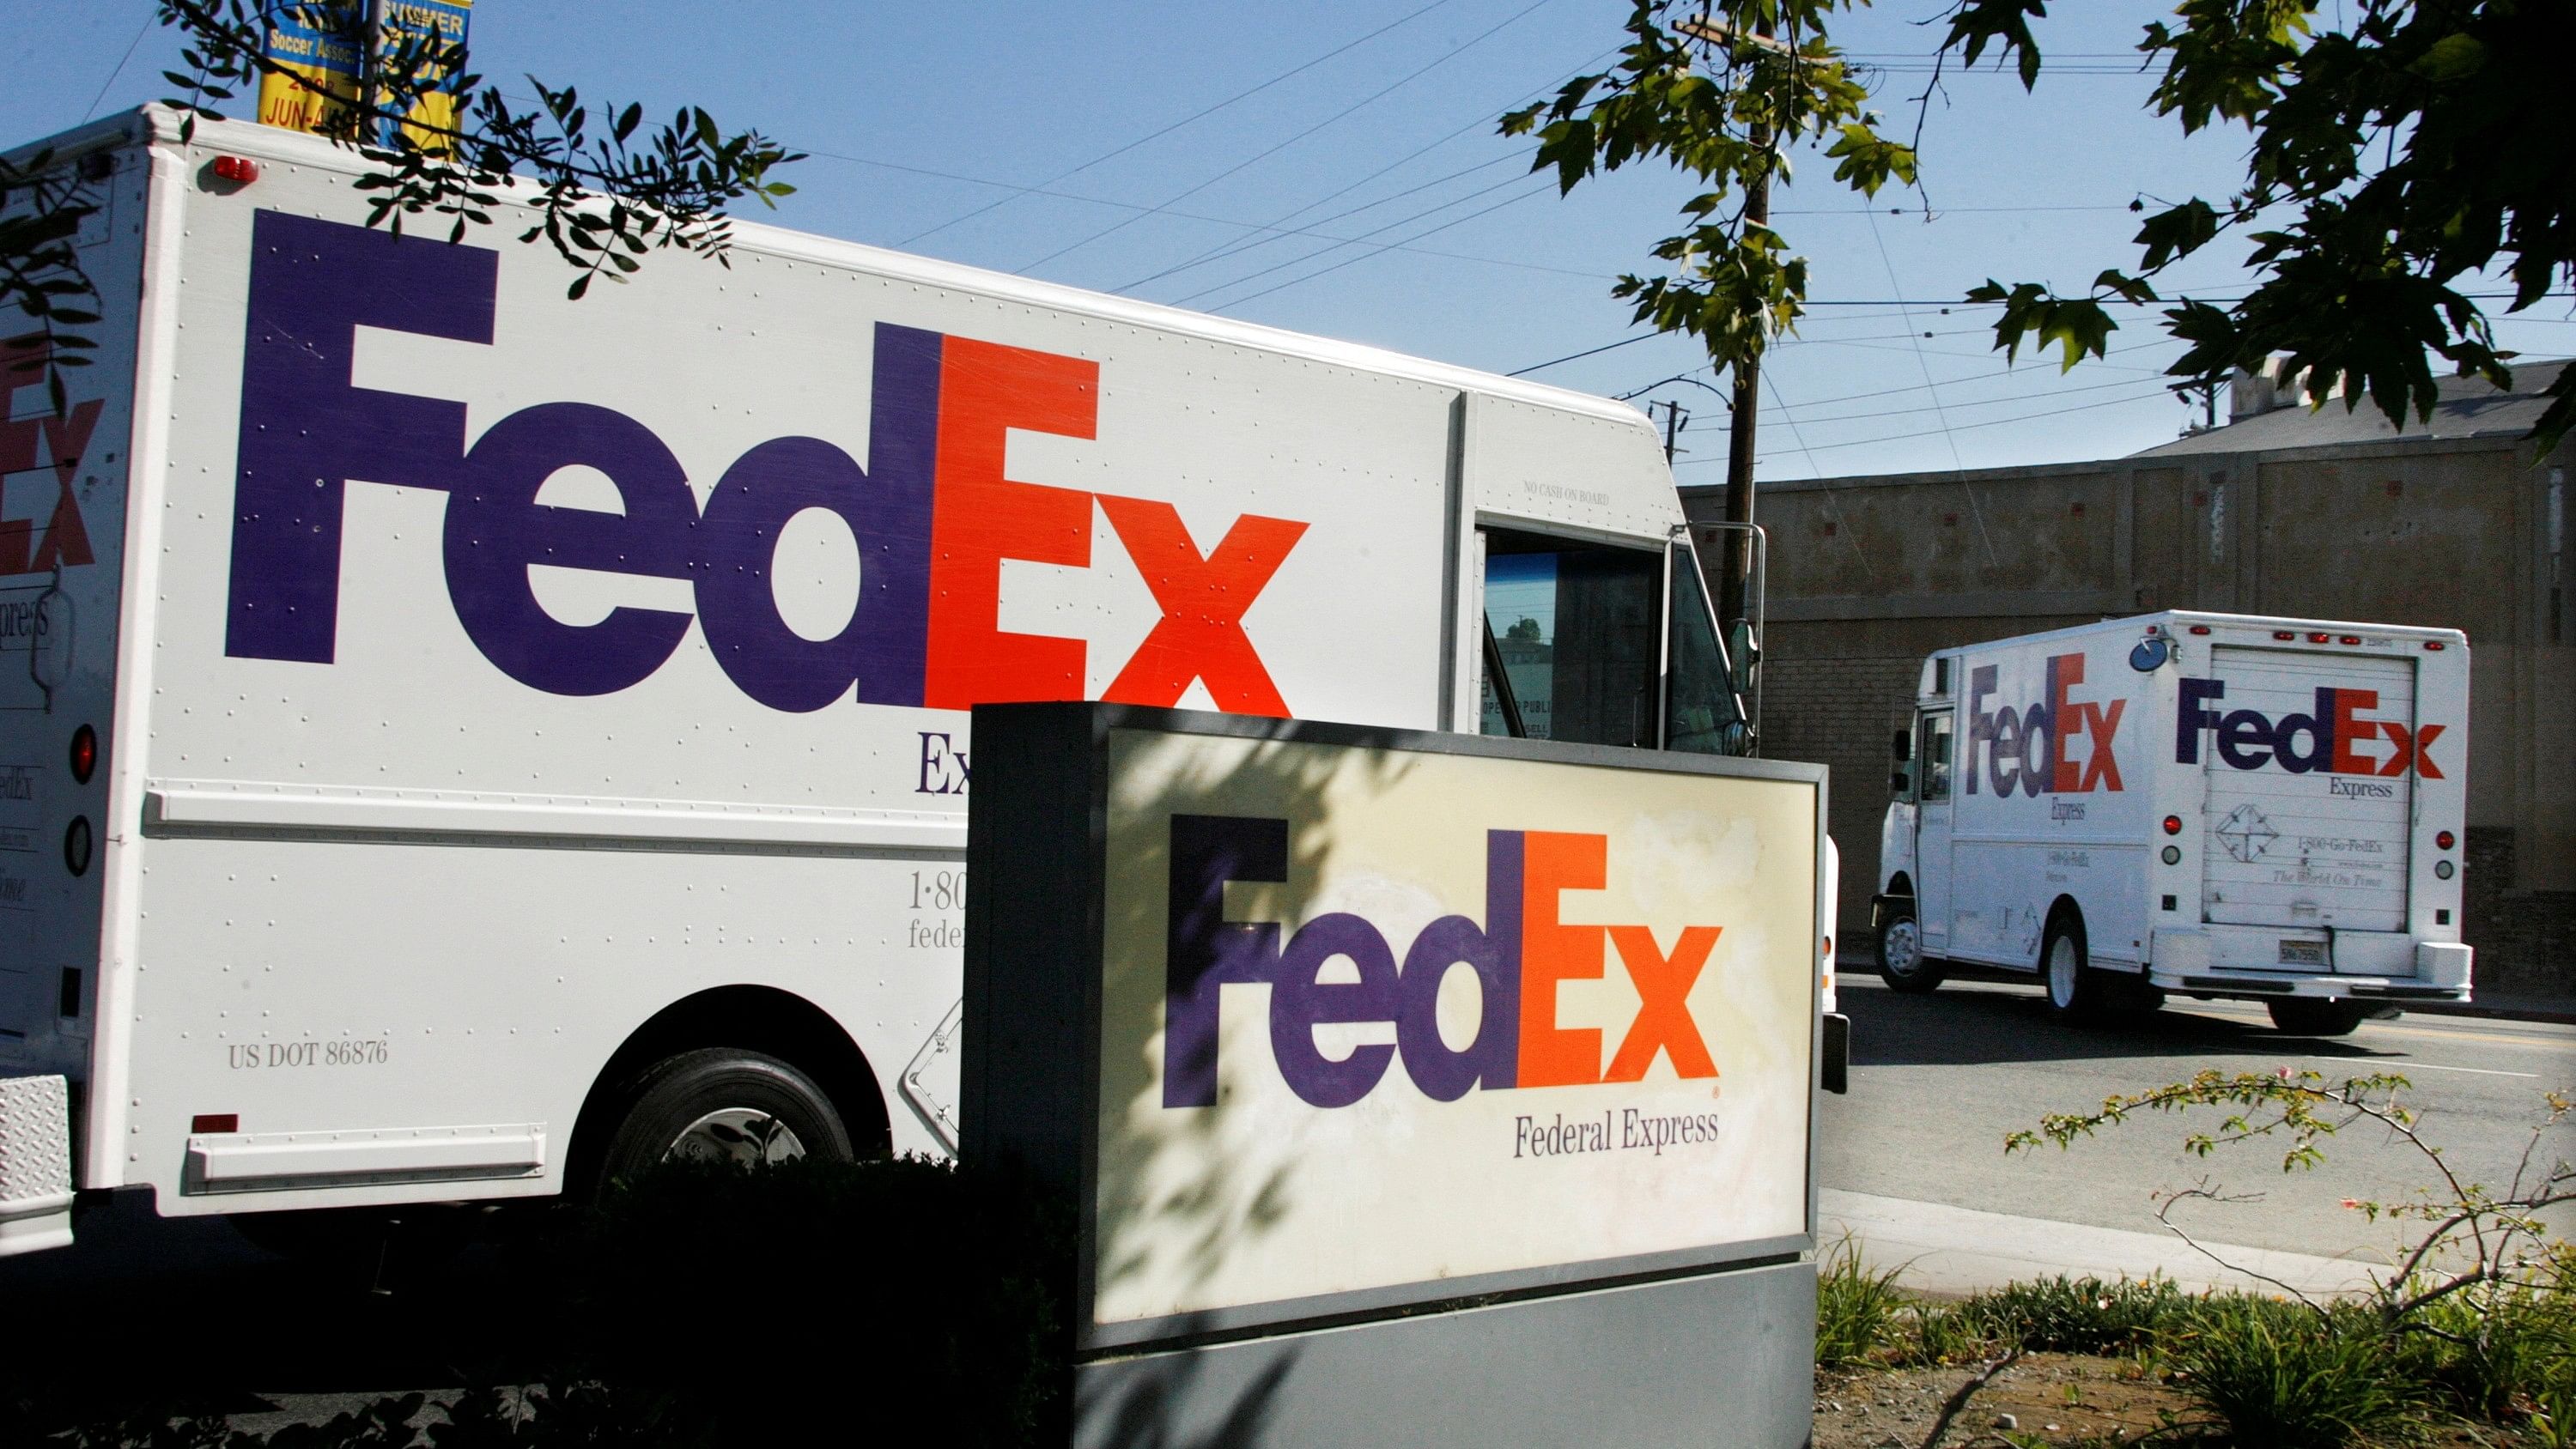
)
(1938, 1080)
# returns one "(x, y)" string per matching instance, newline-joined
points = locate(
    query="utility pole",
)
(1674, 417)
(1735, 565)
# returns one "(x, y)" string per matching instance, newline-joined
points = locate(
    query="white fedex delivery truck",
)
(458, 743)
(2210, 804)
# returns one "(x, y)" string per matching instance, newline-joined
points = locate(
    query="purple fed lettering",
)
(1300, 1001)
(1202, 950)
(496, 528)
(305, 432)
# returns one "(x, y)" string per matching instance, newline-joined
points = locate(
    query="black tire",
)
(1901, 962)
(2316, 1016)
(679, 1093)
(2076, 991)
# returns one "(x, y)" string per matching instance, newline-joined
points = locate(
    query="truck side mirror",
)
(1745, 652)
(1901, 746)
(1899, 783)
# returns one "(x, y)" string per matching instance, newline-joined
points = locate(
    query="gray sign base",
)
(1722, 1360)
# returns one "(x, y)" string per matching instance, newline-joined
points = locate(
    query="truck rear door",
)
(2289, 840)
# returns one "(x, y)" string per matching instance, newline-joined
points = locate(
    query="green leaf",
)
(2451, 59)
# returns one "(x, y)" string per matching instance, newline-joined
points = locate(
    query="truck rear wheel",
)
(2076, 992)
(727, 1105)
(2315, 1016)
(1901, 962)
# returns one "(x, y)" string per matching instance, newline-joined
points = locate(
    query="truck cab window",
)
(1933, 758)
(1575, 626)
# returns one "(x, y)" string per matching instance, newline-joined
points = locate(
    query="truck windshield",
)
(1701, 711)
(1572, 631)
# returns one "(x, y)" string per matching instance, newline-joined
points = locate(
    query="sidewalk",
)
(1944, 1249)
(2504, 1008)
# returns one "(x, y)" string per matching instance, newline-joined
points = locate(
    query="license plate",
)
(2303, 953)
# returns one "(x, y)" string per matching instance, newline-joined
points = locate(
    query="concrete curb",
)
(1954, 1250)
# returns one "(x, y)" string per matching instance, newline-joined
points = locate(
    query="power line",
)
(1380, 250)
(1489, 33)
(1993, 402)
(1960, 428)
(1587, 352)
(1361, 240)
(1483, 117)
(1186, 120)
(1236, 222)
(122, 62)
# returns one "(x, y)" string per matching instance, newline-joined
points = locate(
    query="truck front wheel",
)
(1901, 962)
(2076, 992)
(2315, 1016)
(728, 1105)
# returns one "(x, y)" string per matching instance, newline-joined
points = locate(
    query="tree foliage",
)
(2394, 161)
(606, 193)
(1725, 93)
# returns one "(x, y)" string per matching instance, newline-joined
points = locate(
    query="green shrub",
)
(2080, 1315)
(2501, 1350)
(2286, 1376)
(1857, 1311)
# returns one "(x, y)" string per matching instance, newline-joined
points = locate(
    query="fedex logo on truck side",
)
(2026, 749)
(1520, 954)
(932, 513)
(2324, 740)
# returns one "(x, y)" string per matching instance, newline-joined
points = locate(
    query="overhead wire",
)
(1376, 249)
(1189, 119)
(1961, 427)
(123, 61)
(1453, 53)
(1484, 117)
(1235, 222)
(1363, 239)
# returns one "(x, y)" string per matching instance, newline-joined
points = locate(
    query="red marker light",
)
(2320, 638)
(2436, 645)
(2283, 635)
(2173, 825)
(215, 1122)
(2445, 840)
(2350, 639)
(239, 169)
(2200, 628)
(84, 754)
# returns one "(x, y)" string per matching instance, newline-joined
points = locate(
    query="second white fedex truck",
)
(2210, 804)
(461, 743)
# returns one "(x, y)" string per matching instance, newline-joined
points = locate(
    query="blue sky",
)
(1141, 147)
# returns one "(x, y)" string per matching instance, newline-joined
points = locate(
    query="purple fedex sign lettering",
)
(1520, 954)
(932, 513)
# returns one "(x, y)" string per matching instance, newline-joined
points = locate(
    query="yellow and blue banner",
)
(433, 120)
(320, 45)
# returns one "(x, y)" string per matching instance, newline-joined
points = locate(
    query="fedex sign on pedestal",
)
(1383, 1016)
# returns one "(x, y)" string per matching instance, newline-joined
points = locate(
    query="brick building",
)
(2282, 510)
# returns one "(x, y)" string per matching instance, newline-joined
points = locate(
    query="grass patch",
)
(1859, 1314)
(2287, 1376)
(2079, 1315)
